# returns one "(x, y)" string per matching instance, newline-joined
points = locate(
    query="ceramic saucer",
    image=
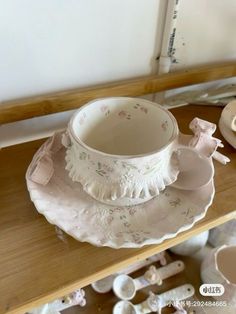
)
(65, 204)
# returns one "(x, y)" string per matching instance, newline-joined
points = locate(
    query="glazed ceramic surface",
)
(122, 150)
(105, 285)
(75, 298)
(155, 303)
(228, 115)
(224, 234)
(228, 134)
(227, 123)
(64, 203)
(192, 245)
(219, 267)
(125, 287)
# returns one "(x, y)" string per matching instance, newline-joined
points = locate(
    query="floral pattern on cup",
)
(141, 108)
(95, 171)
(129, 157)
(103, 169)
(104, 109)
(126, 165)
(164, 126)
(84, 156)
(124, 115)
(126, 178)
(152, 167)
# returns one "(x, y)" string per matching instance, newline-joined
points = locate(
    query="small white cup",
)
(123, 150)
(218, 267)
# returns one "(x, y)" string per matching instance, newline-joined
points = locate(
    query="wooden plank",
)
(36, 267)
(62, 101)
(104, 303)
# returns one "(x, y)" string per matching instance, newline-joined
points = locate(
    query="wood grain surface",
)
(103, 303)
(72, 99)
(37, 267)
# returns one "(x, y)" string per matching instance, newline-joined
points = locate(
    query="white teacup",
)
(123, 150)
(218, 267)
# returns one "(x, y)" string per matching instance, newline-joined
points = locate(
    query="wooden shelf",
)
(104, 303)
(36, 267)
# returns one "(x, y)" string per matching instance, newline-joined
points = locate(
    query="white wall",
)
(205, 32)
(50, 45)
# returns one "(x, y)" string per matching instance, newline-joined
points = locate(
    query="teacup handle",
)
(203, 140)
(41, 169)
(204, 146)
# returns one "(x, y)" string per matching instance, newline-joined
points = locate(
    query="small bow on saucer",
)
(203, 140)
(43, 170)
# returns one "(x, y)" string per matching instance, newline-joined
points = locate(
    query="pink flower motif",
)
(132, 211)
(164, 125)
(104, 108)
(108, 168)
(122, 114)
(144, 109)
(109, 220)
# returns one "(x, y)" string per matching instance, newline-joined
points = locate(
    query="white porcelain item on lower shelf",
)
(228, 134)
(105, 285)
(219, 267)
(192, 245)
(124, 151)
(224, 234)
(55, 307)
(65, 204)
(125, 287)
(155, 303)
(228, 115)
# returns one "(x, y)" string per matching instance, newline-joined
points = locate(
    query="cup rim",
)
(174, 135)
(216, 252)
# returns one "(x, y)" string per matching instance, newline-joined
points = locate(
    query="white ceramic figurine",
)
(75, 298)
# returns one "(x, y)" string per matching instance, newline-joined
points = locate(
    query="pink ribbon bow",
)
(203, 140)
(42, 168)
